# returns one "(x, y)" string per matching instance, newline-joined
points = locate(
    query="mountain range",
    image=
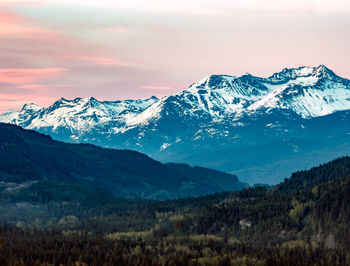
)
(261, 129)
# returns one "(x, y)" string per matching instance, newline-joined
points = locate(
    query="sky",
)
(130, 49)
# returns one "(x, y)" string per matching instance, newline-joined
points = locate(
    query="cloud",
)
(26, 3)
(197, 6)
(25, 37)
(7, 17)
(28, 75)
(15, 30)
(157, 88)
(12, 101)
(109, 61)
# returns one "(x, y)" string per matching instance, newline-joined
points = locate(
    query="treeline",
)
(317, 175)
(28, 247)
(289, 224)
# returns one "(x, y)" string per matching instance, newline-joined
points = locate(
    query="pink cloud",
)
(31, 86)
(17, 29)
(109, 61)
(27, 47)
(27, 75)
(11, 101)
(29, 4)
(14, 96)
(12, 23)
(158, 88)
(7, 17)
(15, 25)
(35, 41)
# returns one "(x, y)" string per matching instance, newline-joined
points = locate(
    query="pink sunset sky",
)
(122, 49)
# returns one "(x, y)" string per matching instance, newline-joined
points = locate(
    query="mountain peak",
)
(90, 101)
(62, 99)
(77, 101)
(211, 81)
(153, 98)
(320, 71)
(30, 106)
(324, 72)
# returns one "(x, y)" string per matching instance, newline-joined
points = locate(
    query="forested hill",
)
(28, 156)
(282, 225)
(317, 175)
(305, 220)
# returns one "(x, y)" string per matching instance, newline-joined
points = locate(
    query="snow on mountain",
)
(152, 112)
(78, 114)
(293, 73)
(9, 116)
(214, 98)
(228, 118)
(307, 91)
(220, 95)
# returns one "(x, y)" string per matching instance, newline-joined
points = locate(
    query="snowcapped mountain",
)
(77, 116)
(307, 91)
(310, 92)
(228, 118)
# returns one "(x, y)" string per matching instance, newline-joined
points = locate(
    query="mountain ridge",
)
(219, 111)
(211, 82)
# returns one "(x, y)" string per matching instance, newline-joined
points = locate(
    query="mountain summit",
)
(230, 118)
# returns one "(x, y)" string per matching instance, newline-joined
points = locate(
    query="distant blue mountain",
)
(261, 129)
